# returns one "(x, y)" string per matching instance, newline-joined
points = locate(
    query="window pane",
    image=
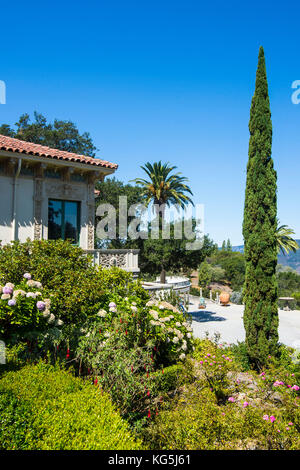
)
(54, 219)
(71, 221)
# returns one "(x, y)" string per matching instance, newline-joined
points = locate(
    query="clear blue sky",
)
(169, 80)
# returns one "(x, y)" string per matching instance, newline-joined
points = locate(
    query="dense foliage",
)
(227, 408)
(259, 228)
(77, 289)
(62, 135)
(45, 408)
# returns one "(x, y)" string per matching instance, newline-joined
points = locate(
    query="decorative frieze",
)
(38, 199)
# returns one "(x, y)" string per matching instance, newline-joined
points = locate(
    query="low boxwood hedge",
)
(45, 408)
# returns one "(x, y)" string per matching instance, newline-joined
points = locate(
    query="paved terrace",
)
(228, 321)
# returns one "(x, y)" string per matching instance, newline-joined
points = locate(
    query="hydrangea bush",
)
(126, 343)
(24, 307)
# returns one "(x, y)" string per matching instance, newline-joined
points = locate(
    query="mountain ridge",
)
(292, 259)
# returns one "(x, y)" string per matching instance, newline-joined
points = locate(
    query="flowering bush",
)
(215, 361)
(24, 307)
(126, 342)
(155, 325)
(225, 408)
(78, 289)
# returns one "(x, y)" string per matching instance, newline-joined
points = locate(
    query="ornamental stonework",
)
(38, 198)
(111, 259)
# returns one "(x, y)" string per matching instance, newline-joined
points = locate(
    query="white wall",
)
(24, 219)
(25, 206)
(6, 188)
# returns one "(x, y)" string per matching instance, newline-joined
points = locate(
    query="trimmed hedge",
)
(45, 408)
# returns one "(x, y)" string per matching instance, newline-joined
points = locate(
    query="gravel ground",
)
(228, 321)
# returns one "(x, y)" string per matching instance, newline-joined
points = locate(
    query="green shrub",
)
(196, 422)
(44, 408)
(195, 291)
(77, 289)
(236, 297)
(172, 377)
(296, 296)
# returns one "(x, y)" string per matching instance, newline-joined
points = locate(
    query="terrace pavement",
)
(228, 321)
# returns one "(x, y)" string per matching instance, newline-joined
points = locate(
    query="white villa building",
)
(49, 194)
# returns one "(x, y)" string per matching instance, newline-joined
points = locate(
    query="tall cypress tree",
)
(259, 226)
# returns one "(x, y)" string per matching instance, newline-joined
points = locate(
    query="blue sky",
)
(163, 80)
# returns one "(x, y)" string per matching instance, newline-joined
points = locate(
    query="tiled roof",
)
(20, 146)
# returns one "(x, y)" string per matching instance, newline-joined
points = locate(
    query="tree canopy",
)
(62, 135)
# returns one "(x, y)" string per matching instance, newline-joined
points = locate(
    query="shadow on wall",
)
(206, 316)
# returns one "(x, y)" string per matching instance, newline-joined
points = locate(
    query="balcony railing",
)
(126, 259)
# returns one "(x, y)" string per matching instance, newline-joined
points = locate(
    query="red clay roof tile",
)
(20, 146)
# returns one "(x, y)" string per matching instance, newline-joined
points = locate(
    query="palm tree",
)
(163, 188)
(285, 243)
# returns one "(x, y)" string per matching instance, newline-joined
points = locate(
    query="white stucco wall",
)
(24, 216)
(6, 188)
(25, 202)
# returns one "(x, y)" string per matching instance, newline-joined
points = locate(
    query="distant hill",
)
(292, 259)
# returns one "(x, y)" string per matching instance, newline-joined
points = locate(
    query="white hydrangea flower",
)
(188, 335)
(178, 324)
(182, 356)
(31, 294)
(175, 339)
(102, 313)
(46, 313)
(51, 318)
(19, 292)
(9, 284)
(5, 296)
(133, 308)
(154, 314)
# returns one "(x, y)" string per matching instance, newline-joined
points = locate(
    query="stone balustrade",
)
(126, 259)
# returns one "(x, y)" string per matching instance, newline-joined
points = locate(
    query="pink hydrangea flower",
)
(272, 418)
(231, 399)
(7, 290)
(245, 404)
(265, 417)
(40, 305)
(295, 387)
